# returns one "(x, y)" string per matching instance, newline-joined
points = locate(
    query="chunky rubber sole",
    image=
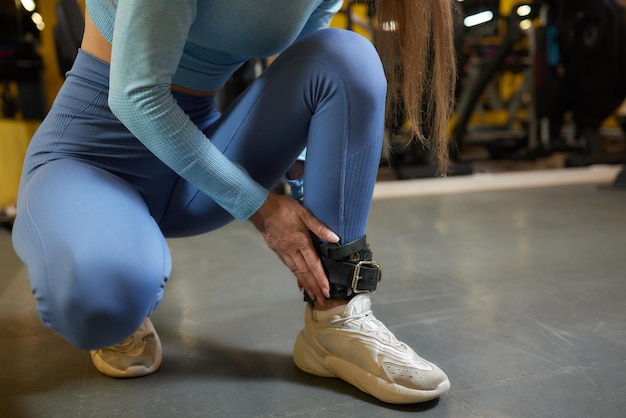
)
(313, 361)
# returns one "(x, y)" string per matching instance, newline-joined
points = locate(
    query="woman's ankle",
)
(329, 304)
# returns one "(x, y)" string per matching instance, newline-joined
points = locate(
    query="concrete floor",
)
(519, 294)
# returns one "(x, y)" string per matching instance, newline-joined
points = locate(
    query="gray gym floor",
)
(518, 293)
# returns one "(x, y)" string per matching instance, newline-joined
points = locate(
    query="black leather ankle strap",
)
(342, 251)
(349, 268)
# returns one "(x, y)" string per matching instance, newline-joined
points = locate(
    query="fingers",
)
(318, 275)
(309, 274)
(319, 229)
(286, 225)
(313, 272)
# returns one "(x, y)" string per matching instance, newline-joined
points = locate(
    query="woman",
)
(133, 151)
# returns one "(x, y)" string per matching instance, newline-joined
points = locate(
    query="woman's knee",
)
(98, 301)
(352, 56)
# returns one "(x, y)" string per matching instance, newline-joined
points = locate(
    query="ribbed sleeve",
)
(144, 58)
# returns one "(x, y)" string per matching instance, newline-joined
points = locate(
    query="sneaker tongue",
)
(359, 304)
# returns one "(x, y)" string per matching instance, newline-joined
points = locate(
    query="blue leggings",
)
(95, 206)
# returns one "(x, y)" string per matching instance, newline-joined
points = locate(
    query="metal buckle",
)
(356, 277)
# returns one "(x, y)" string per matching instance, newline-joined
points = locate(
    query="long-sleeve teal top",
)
(195, 44)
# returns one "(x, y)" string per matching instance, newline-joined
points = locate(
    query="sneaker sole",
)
(133, 371)
(311, 361)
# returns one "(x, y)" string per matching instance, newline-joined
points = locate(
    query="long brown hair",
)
(415, 41)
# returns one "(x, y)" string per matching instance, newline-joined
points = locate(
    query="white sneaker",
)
(356, 347)
(138, 355)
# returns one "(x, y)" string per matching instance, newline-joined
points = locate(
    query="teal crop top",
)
(196, 44)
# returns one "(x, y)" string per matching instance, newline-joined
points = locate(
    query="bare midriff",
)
(97, 45)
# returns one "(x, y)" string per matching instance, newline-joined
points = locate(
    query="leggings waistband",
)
(95, 71)
(88, 66)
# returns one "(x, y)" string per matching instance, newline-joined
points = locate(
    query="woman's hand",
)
(285, 226)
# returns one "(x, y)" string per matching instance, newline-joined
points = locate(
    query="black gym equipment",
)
(584, 56)
(487, 63)
(578, 62)
(20, 63)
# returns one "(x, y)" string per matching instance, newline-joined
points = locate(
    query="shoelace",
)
(377, 328)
